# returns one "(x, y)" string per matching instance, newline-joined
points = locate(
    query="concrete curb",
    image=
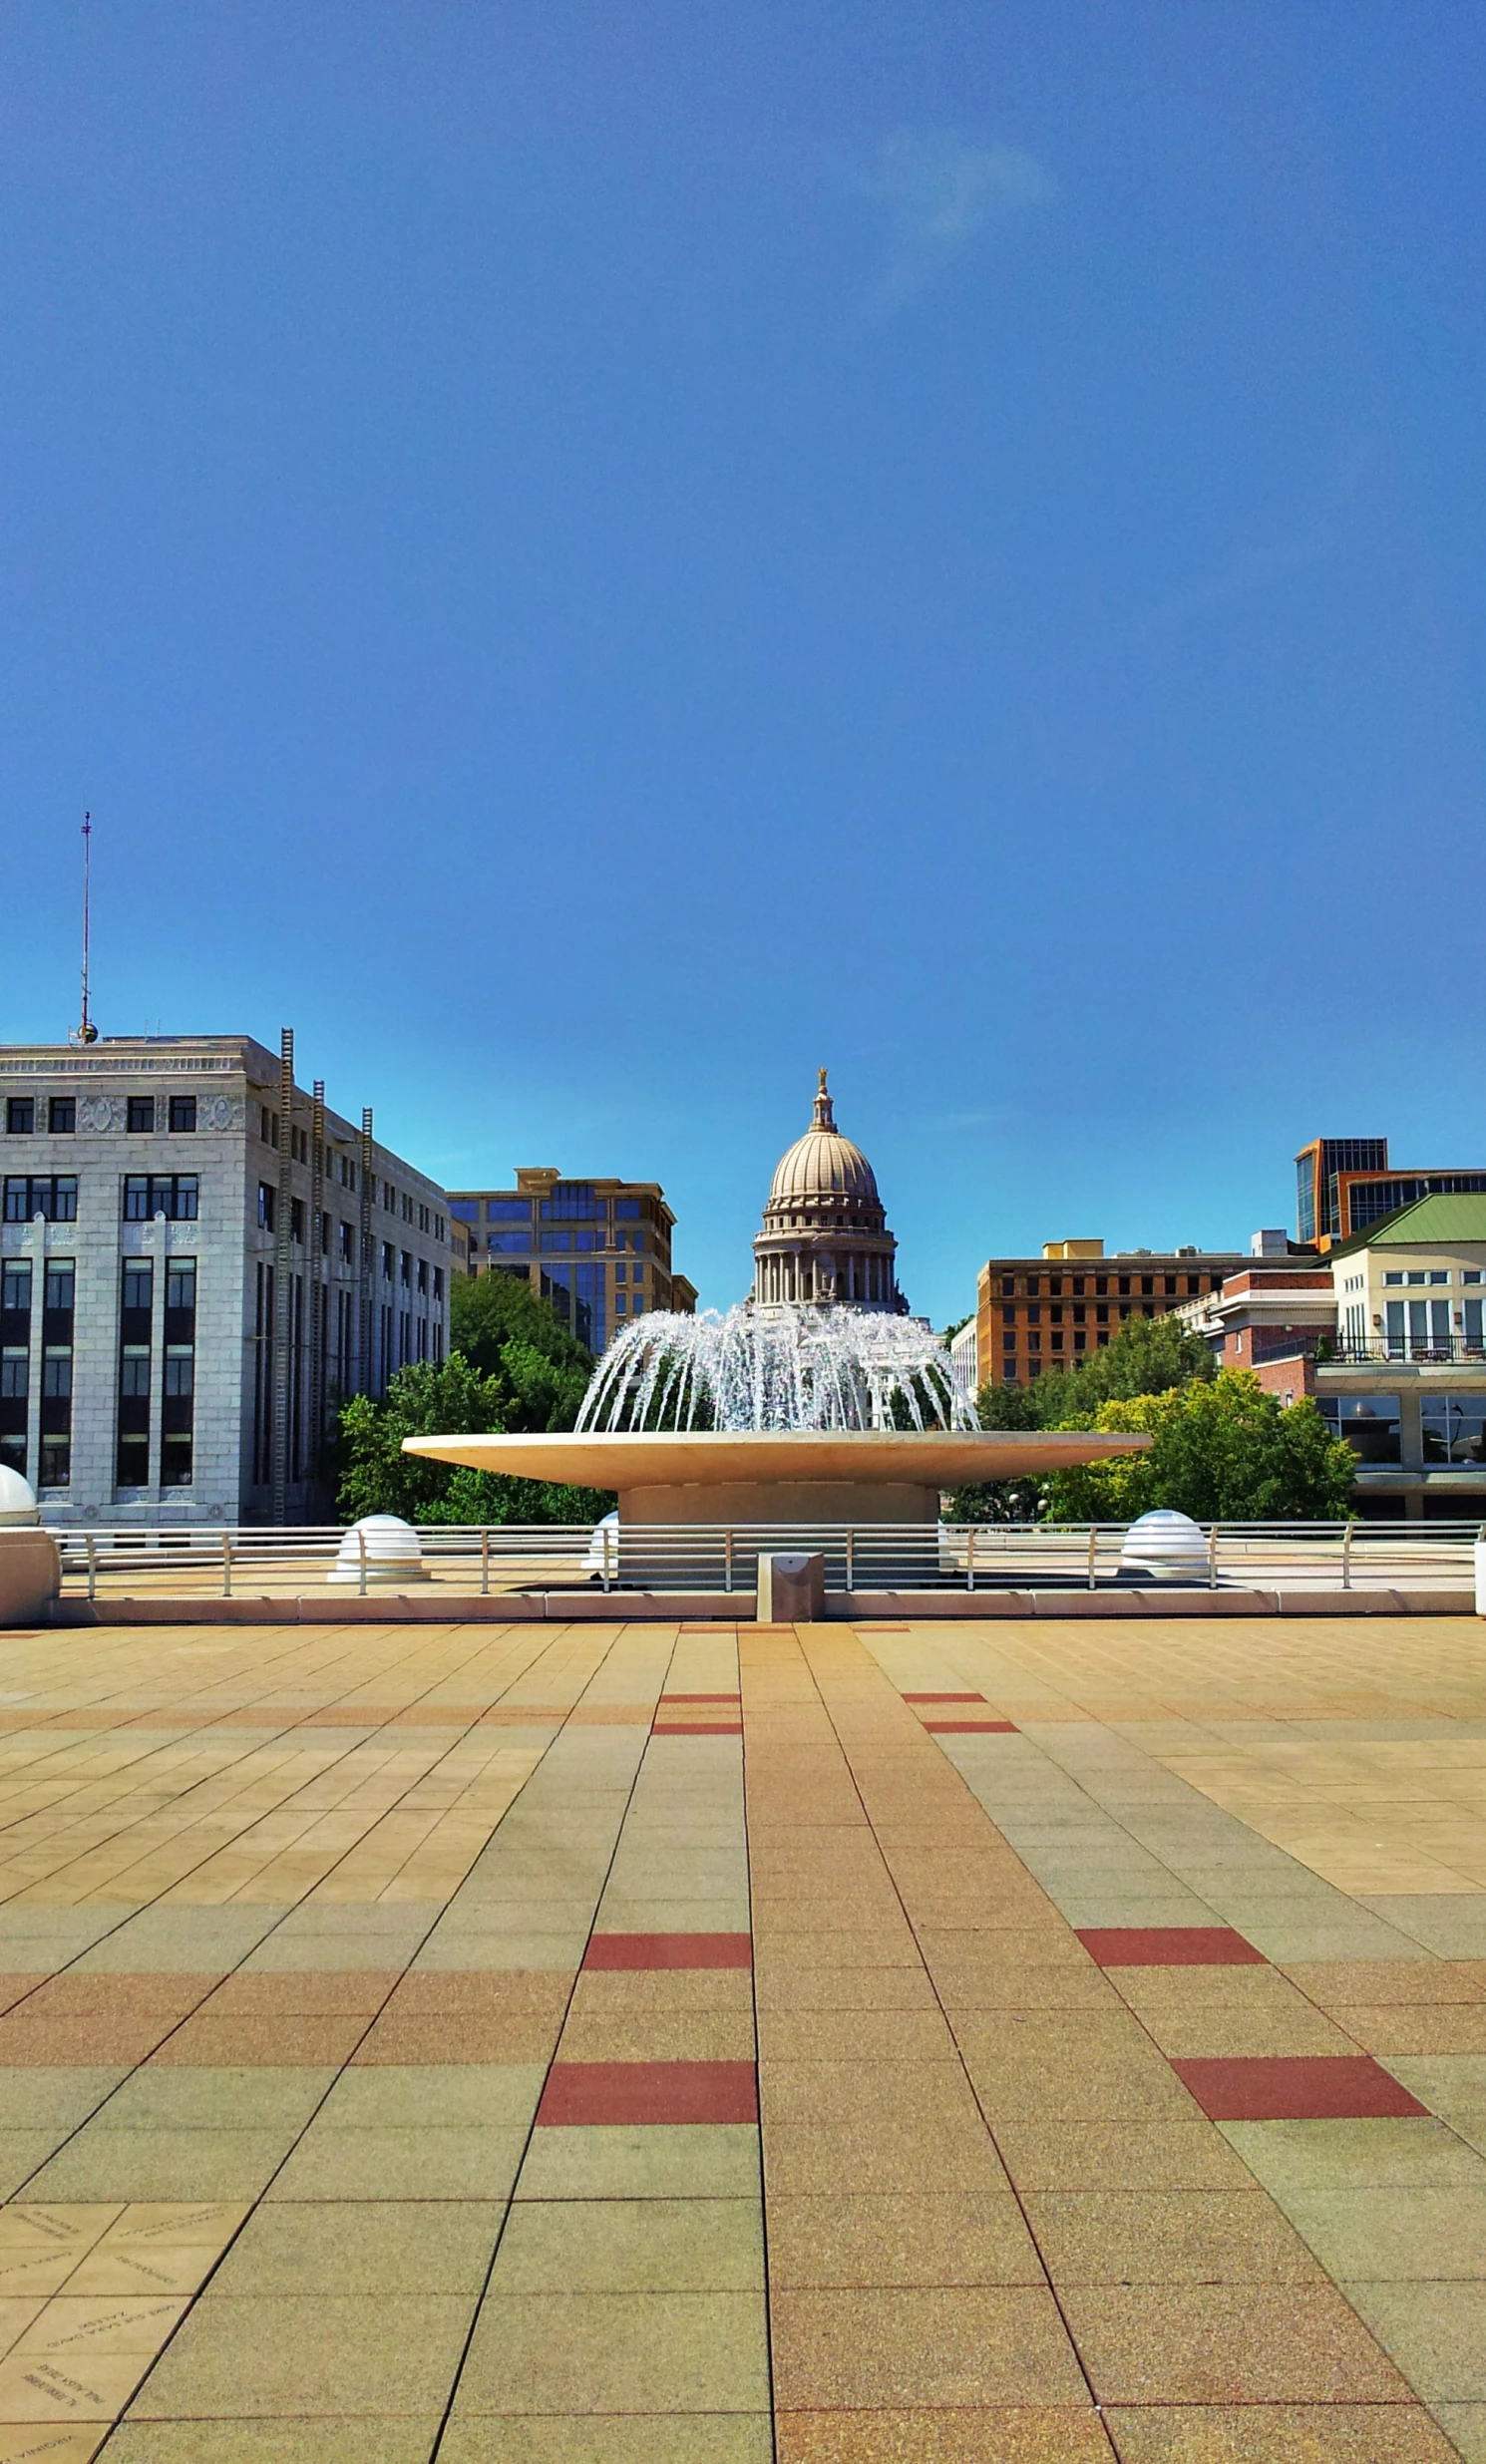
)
(847, 1608)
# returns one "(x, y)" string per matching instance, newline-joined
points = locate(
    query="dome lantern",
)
(825, 1239)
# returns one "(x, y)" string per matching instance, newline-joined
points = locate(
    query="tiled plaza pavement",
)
(881, 2046)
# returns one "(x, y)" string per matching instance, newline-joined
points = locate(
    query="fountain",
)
(777, 1416)
(818, 1401)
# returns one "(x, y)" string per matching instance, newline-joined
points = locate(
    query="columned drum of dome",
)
(825, 1242)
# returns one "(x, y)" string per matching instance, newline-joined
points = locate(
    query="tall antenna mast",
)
(87, 1032)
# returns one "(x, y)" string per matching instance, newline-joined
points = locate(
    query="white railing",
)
(196, 1561)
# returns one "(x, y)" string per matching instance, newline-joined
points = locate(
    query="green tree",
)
(1002, 1501)
(1148, 1356)
(516, 1368)
(1222, 1450)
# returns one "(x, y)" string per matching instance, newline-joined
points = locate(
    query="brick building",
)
(1036, 1312)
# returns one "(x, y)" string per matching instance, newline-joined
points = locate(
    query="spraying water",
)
(782, 1368)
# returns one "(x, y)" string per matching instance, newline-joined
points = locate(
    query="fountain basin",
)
(767, 1476)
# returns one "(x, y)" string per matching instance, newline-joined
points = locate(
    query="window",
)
(1101, 1285)
(389, 1197)
(425, 1220)
(15, 1373)
(180, 1369)
(182, 1113)
(56, 1371)
(621, 1272)
(1453, 1428)
(1169, 1285)
(20, 1116)
(465, 1209)
(1008, 1317)
(171, 1194)
(407, 1269)
(56, 1461)
(389, 1261)
(62, 1115)
(348, 1245)
(1471, 1274)
(15, 1284)
(139, 1283)
(627, 1209)
(296, 1219)
(60, 1288)
(267, 1207)
(1008, 1342)
(133, 1370)
(141, 1113)
(522, 1241)
(1369, 1424)
(552, 1240)
(1009, 1281)
(180, 1283)
(438, 1282)
(1147, 1282)
(53, 1195)
(1035, 1317)
(441, 1230)
(509, 1209)
(423, 1277)
(1124, 1285)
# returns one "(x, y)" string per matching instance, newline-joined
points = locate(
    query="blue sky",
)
(593, 558)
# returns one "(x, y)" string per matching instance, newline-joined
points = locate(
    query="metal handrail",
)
(186, 1561)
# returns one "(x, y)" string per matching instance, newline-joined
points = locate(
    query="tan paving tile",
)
(309, 2439)
(1226, 2344)
(633, 2246)
(576, 2352)
(1167, 2238)
(848, 2349)
(1276, 2434)
(1000, 2434)
(899, 2238)
(256, 2357)
(639, 2438)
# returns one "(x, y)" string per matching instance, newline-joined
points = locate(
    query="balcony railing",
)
(1332, 1354)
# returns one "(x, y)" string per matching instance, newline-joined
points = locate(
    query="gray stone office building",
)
(197, 1259)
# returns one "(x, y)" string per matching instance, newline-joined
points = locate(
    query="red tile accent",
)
(697, 1728)
(631, 1951)
(645, 2093)
(1169, 1945)
(944, 1698)
(1295, 2087)
(970, 1728)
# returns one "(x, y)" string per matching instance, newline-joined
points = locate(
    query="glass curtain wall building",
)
(599, 1250)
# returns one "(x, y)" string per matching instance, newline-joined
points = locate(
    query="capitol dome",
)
(825, 1237)
(823, 1164)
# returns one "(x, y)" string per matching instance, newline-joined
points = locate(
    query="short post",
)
(485, 1561)
(727, 1559)
(970, 1558)
(1346, 1556)
(361, 1538)
(92, 1567)
(1093, 1546)
(1213, 1558)
(850, 1560)
(227, 1566)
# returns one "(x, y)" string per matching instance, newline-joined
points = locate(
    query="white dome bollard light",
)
(380, 1549)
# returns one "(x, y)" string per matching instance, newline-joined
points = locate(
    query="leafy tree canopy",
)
(517, 1368)
(1224, 1451)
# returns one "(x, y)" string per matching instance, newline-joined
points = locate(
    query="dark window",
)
(1035, 1317)
(509, 1209)
(1124, 1285)
(62, 1115)
(463, 1210)
(171, 1194)
(1194, 1282)
(1008, 1342)
(627, 1210)
(267, 1207)
(1056, 1315)
(139, 1283)
(1147, 1282)
(389, 1261)
(1008, 1317)
(142, 1112)
(296, 1219)
(1101, 1313)
(1035, 1284)
(54, 1196)
(1079, 1340)
(347, 1245)
(1055, 1284)
(1369, 1424)
(1214, 1283)
(1077, 1286)
(179, 1370)
(423, 1275)
(133, 1370)
(132, 1470)
(1169, 1284)
(438, 1282)
(175, 1458)
(15, 1374)
(15, 1286)
(1453, 1428)
(407, 1268)
(1009, 1284)
(182, 1112)
(20, 1116)
(180, 1283)
(1101, 1283)
(56, 1461)
(56, 1374)
(1080, 1316)
(61, 1284)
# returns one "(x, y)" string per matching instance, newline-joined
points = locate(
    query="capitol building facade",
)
(825, 1239)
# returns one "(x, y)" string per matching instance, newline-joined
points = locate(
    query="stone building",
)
(825, 1237)
(197, 1259)
(599, 1251)
(1035, 1313)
